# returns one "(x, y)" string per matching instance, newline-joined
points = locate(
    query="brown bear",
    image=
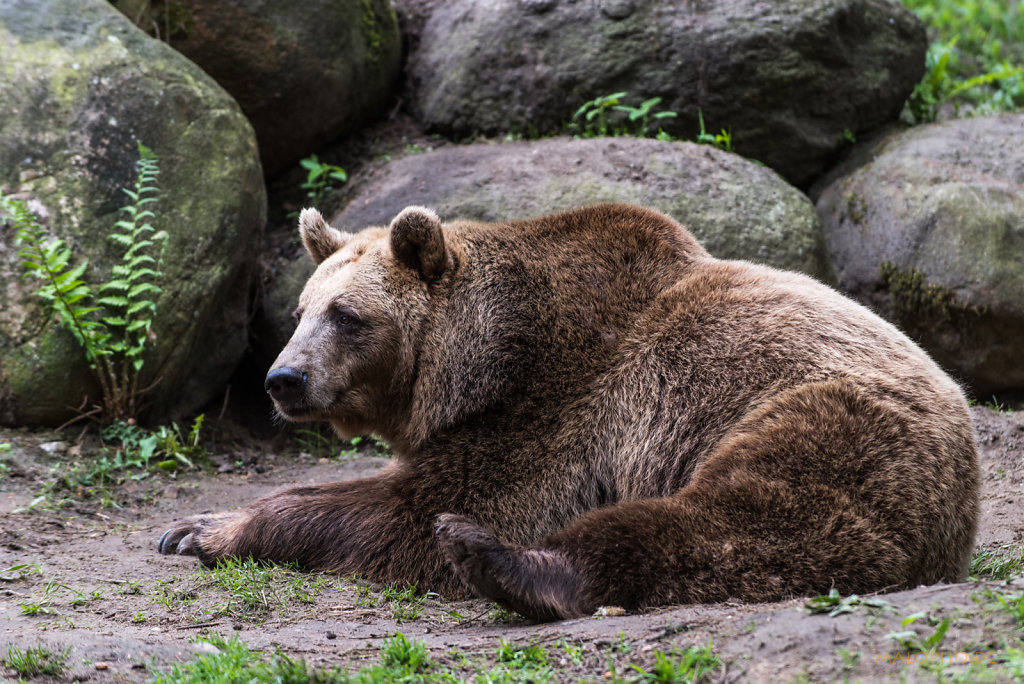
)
(588, 409)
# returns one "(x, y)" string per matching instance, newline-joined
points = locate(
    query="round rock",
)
(930, 232)
(80, 87)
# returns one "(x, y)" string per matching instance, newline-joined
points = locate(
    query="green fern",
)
(62, 288)
(115, 329)
(127, 298)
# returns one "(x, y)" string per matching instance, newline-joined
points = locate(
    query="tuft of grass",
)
(249, 584)
(531, 655)
(406, 604)
(401, 654)
(233, 661)
(1002, 563)
(694, 664)
(36, 661)
(254, 588)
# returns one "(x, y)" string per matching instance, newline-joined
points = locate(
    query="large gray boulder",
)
(930, 232)
(304, 73)
(789, 78)
(737, 209)
(80, 86)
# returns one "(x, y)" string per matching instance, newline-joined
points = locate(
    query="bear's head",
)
(360, 319)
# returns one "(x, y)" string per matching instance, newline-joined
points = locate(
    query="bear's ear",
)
(320, 239)
(417, 241)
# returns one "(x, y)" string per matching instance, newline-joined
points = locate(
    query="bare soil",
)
(148, 608)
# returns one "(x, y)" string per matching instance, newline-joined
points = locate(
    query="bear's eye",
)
(296, 316)
(345, 319)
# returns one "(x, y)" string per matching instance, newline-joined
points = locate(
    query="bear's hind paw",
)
(537, 583)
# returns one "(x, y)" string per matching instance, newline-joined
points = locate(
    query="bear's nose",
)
(286, 385)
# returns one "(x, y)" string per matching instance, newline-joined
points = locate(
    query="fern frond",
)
(144, 273)
(142, 287)
(119, 302)
(118, 285)
(143, 305)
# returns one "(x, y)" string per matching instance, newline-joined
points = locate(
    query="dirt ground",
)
(84, 574)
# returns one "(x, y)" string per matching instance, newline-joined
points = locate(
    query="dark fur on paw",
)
(538, 584)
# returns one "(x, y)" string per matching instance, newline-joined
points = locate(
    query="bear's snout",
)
(286, 386)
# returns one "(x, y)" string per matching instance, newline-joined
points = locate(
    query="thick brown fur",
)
(587, 409)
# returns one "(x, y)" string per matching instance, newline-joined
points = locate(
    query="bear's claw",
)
(178, 540)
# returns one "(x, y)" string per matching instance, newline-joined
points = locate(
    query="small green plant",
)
(912, 642)
(722, 141)
(1014, 605)
(640, 117)
(942, 86)
(24, 570)
(35, 609)
(178, 449)
(320, 177)
(574, 651)
(595, 114)
(835, 604)
(319, 445)
(36, 661)
(255, 588)
(690, 665)
(5, 447)
(41, 606)
(139, 617)
(609, 115)
(849, 658)
(113, 329)
(171, 598)
(130, 587)
(77, 598)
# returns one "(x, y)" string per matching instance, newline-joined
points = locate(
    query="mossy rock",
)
(737, 209)
(927, 226)
(81, 86)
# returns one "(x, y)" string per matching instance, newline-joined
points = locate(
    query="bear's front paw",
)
(208, 537)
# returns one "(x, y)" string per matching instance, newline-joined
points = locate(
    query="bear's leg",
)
(823, 488)
(670, 551)
(380, 527)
